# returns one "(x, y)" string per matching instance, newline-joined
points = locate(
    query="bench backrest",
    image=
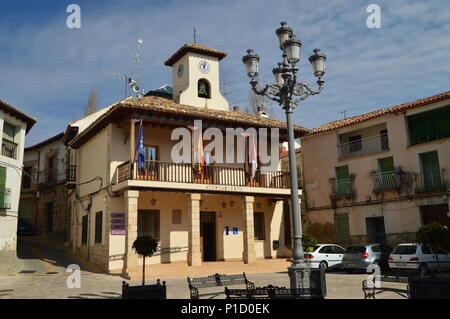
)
(217, 280)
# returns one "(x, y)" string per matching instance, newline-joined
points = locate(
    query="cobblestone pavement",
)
(42, 274)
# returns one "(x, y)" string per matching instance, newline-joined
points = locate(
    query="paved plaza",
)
(42, 274)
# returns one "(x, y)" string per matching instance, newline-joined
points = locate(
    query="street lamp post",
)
(288, 92)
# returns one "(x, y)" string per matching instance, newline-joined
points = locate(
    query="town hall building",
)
(198, 212)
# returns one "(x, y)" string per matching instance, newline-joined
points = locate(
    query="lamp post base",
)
(300, 275)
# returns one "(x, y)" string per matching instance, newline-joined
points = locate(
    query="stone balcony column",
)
(131, 208)
(194, 254)
(249, 255)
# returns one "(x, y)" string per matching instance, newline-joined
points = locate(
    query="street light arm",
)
(304, 90)
(271, 91)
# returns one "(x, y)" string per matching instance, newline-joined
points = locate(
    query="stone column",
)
(248, 230)
(194, 254)
(131, 208)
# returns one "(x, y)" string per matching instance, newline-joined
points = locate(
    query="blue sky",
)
(47, 70)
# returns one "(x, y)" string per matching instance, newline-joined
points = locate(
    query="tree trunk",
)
(439, 265)
(143, 272)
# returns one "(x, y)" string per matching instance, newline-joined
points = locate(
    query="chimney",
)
(236, 108)
(262, 111)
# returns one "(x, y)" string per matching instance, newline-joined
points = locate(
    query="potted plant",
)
(436, 237)
(308, 242)
(144, 246)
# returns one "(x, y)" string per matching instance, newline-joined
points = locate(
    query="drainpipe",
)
(36, 197)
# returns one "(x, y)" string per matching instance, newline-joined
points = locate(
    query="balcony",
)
(5, 198)
(50, 177)
(430, 181)
(9, 149)
(385, 181)
(70, 176)
(342, 188)
(211, 175)
(364, 146)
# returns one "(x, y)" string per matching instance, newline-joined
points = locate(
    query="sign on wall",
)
(118, 224)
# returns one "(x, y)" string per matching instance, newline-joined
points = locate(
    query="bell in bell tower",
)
(195, 73)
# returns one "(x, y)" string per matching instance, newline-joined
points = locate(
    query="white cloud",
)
(48, 70)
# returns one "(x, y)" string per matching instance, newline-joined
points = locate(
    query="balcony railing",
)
(430, 181)
(342, 188)
(50, 177)
(385, 181)
(364, 146)
(9, 149)
(5, 198)
(210, 174)
(70, 173)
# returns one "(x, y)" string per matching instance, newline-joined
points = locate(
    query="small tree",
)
(308, 241)
(435, 236)
(146, 247)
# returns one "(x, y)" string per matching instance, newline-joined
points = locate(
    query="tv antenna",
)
(195, 34)
(122, 75)
(344, 112)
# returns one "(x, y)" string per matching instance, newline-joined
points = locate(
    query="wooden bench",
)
(397, 276)
(216, 280)
(273, 292)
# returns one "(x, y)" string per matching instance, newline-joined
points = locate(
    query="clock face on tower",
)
(204, 67)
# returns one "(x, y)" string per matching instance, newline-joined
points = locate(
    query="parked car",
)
(359, 257)
(24, 227)
(325, 256)
(419, 257)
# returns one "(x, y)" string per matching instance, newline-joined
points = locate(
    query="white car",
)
(417, 257)
(325, 256)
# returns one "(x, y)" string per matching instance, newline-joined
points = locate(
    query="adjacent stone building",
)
(43, 200)
(14, 125)
(379, 176)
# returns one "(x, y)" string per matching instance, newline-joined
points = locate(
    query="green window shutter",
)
(9, 131)
(2, 186)
(342, 226)
(342, 172)
(386, 164)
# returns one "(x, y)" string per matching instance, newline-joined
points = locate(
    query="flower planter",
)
(157, 291)
(430, 288)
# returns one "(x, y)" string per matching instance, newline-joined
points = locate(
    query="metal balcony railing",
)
(430, 181)
(70, 173)
(385, 181)
(5, 198)
(210, 174)
(364, 146)
(50, 177)
(342, 187)
(9, 149)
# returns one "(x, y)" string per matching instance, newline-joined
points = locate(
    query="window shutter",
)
(342, 226)
(2, 186)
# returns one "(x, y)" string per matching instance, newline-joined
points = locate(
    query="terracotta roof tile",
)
(8, 108)
(285, 154)
(197, 48)
(160, 106)
(389, 110)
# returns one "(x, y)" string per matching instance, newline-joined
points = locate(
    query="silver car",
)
(359, 257)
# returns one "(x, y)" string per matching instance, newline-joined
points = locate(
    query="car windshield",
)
(405, 250)
(356, 250)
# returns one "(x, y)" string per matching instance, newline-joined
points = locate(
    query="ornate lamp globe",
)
(317, 61)
(251, 61)
(283, 33)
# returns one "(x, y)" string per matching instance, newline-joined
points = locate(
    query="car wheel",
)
(423, 270)
(323, 266)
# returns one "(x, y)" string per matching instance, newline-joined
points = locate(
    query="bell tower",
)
(195, 77)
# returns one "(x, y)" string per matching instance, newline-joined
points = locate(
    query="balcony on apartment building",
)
(342, 188)
(430, 181)
(363, 142)
(386, 181)
(50, 177)
(9, 148)
(70, 176)
(186, 173)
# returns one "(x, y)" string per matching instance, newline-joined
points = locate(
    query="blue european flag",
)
(140, 149)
